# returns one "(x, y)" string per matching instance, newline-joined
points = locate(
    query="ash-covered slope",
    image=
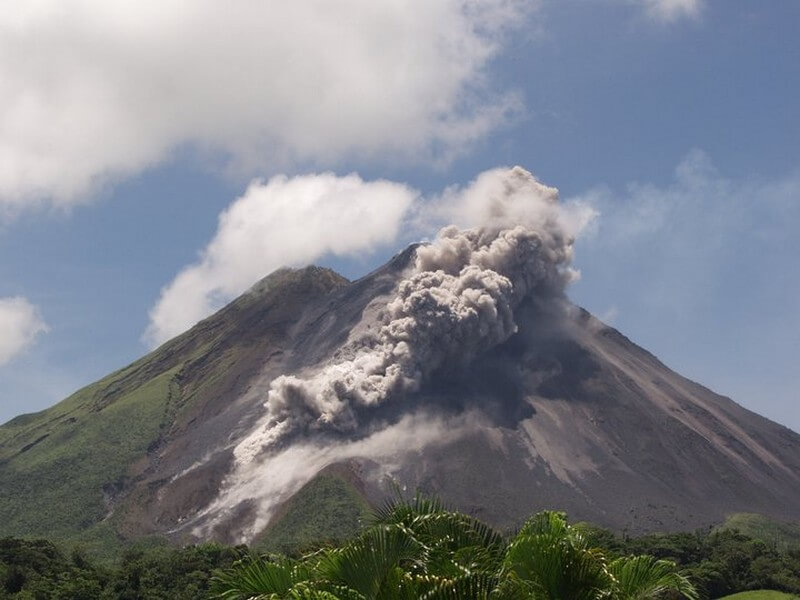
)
(567, 414)
(459, 368)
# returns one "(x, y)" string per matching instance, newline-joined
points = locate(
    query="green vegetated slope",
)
(760, 595)
(57, 467)
(779, 533)
(327, 509)
(65, 471)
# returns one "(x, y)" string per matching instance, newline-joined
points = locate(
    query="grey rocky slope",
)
(567, 413)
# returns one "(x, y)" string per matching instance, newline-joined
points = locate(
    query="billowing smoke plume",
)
(457, 300)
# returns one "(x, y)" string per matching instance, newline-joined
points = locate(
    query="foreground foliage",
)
(760, 595)
(418, 549)
(421, 550)
(39, 570)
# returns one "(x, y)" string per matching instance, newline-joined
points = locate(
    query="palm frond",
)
(646, 578)
(369, 561)
(472, 586)
(398, 510)
(553, 567)
(305, 591)
(257, 577)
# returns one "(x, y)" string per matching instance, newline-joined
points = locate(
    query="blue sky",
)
(124, 134)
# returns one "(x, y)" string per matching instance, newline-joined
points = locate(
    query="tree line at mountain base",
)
(418, 549)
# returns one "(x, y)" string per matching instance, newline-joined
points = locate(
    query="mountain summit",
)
(459, 368)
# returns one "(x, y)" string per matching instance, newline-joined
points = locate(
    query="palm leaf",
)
(472, 586)
(645, 578)
(553, 564)
(257, 577)
(398, 511)
(369, 563)
(305, 591)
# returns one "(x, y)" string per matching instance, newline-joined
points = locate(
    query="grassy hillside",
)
(327, 509)
(62, 469)
(58, 467)
(760, 595)
(780, 534)
(65, 472)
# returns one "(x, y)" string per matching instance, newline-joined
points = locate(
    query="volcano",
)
(460, 369)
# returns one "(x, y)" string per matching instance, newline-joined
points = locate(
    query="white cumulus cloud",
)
(92, 91)
(671, 10)
(295, 221)
(20, 325)
(281, 222)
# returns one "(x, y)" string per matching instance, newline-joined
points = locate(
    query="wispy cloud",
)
(20, 325)
(94, 91)
(669, 11)
(692, 229)
(700, 272)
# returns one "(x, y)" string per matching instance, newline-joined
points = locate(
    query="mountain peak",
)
(311, 274)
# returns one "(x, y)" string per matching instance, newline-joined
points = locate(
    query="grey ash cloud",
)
(457, 300)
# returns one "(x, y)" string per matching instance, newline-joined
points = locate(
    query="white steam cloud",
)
(281, 222)
(20, 325)
(458, 300)
(94, 90)
(282, 474)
